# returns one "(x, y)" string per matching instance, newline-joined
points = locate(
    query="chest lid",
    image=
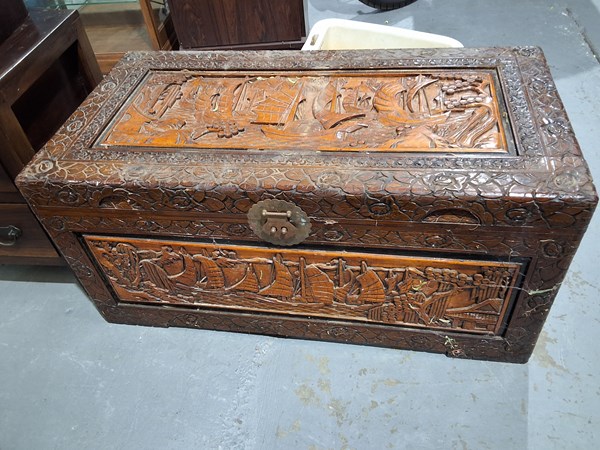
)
(451, 135)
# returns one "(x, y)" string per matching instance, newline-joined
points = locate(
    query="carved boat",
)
(327, 108)
(249, 282)
(188, 276)
(359, 100)
(165, 100)
(341, 293)
(243, 99)
(346, 280)
(283, 282)
(416, 90)
(393, 110)
(392, 281)
(211, 275)
(215, 102)
(149, 103)
(315, 285)
(170, 269)
(163, 270)
(171, 262)
(279, 108)
(371, 287)
(157, 276)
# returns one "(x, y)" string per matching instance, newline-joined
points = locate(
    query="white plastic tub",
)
(340, 34)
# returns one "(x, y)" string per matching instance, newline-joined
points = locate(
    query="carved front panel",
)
(428, 111)
(438, 293)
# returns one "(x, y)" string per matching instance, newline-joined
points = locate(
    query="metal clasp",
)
(279, 222)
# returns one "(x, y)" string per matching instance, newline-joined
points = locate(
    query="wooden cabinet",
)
(13, 15)
(22, 239)
(239, 24)
(46, 70)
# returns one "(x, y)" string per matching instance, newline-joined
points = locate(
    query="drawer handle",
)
(9, 235)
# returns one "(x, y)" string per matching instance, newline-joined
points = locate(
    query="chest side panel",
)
(436, 293)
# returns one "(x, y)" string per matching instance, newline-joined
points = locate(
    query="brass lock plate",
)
(279, 222)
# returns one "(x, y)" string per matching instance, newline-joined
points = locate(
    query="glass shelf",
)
(117, 26)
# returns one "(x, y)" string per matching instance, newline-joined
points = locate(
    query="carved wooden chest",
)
(427, 199)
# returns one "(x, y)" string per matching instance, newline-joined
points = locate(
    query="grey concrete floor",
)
(68, 380)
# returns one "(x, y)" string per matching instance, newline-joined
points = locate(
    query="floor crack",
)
(584, 35)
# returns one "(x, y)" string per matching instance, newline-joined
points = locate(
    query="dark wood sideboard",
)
(47, 68)
(238, 24)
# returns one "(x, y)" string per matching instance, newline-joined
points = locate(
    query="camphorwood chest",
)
(418, 199)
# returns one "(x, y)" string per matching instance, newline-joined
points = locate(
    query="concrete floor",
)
(68, 380)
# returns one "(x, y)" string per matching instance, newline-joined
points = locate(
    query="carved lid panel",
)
(471, 136)
(394, 111)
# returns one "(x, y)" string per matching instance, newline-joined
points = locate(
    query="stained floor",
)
(68, 380)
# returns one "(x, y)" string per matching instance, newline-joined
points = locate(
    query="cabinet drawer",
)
(471, 296)
(27, 242)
